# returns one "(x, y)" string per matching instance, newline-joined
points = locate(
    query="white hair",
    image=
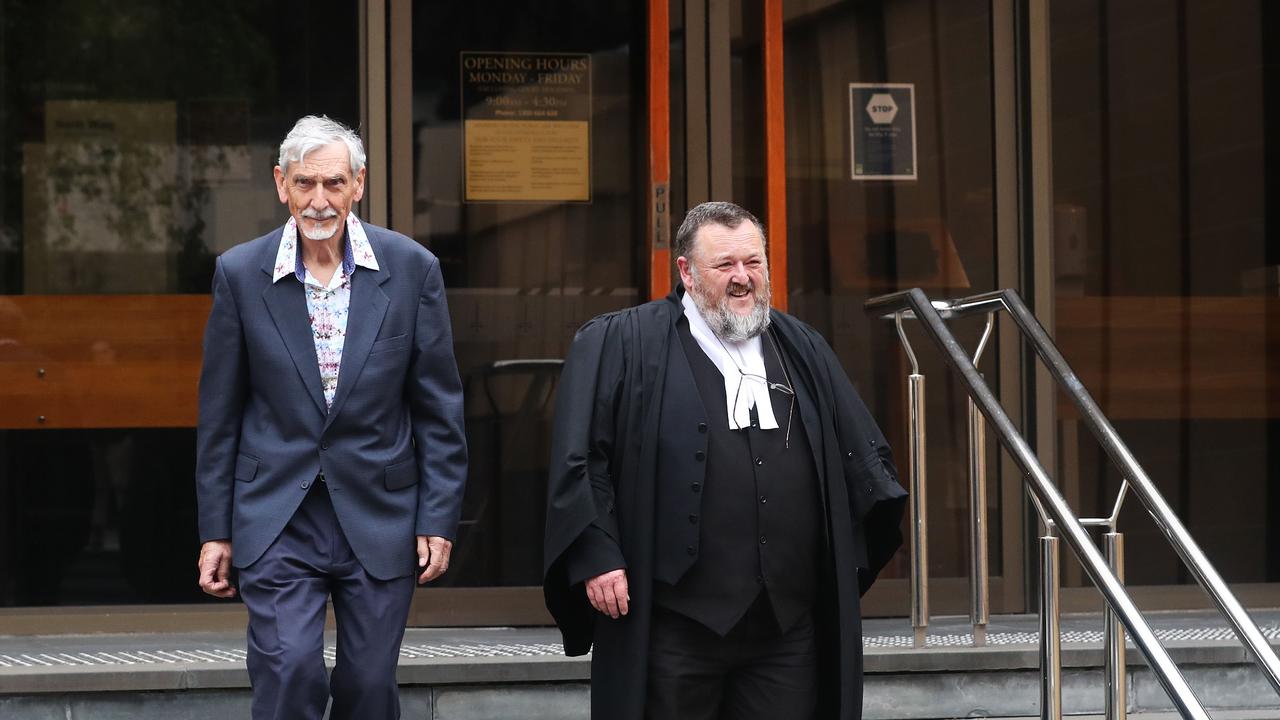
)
(314, 132)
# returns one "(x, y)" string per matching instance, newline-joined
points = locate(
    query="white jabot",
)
(734, 359)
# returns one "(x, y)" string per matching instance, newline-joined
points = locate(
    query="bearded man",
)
(719, 498)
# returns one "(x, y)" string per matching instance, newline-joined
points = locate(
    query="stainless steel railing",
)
(1058, 519)
(919, 538)
(979, 582)
(979, 605)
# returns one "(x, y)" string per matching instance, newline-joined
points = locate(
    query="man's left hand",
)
(433, 557)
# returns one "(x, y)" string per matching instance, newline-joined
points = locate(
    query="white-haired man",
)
(330, 450)
(719, 497)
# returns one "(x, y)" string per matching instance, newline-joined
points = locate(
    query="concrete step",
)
(952, 679)
(1010, 693)
(1217, 715)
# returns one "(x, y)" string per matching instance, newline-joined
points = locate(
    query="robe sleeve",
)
(598, 548)
(877, 498)
(582, 532)
(595, 552)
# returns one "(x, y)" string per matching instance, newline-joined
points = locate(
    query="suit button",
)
(324, 446)
(306, 485)
(699, 456)
(691, 550)
(763, 499)
(696, 487)
(872, 442)
(760, 579)
(702, 427)
(849, 454)
(759, 461)
(763, 540)
(693, 519)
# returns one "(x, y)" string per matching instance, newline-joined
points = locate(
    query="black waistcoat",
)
(760, 525)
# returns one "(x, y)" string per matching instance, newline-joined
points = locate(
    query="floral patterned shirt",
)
(327, 305)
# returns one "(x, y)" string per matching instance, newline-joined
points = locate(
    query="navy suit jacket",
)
(391, 447)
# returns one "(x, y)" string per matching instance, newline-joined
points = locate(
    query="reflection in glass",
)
(138, 141)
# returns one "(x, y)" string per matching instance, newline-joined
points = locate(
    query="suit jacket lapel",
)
(287, 303)
(364, 319)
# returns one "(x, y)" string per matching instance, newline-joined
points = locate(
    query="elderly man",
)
(719, 499)
(331, 458)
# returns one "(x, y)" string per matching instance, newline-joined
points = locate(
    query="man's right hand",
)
(608, 593)
(215, 569)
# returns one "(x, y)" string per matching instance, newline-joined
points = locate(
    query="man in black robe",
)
(719, 499)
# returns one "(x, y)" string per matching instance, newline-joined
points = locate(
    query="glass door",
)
(531, 183)
(887, 170)
(1165, 263)
(121, 179)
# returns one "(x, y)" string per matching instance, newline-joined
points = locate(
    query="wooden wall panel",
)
(134, 360)
(1170, 357)
(100, 361)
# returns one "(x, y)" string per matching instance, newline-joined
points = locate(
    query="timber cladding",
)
(100, 361)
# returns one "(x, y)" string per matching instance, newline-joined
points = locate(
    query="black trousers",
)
(756, 671)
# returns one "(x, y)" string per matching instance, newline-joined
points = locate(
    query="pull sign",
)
(660, 208)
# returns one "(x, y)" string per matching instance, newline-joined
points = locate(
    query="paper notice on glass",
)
(526, 126)
(882, 131)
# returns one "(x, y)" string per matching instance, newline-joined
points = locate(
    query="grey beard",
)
(727, 324)
(319, 233)
(320, 217)
(732, 327)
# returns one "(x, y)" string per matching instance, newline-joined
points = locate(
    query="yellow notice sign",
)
(529, 160)
(526, 126)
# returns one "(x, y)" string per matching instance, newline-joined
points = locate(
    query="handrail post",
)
(919, 513)
(1113, 640)
(919, 509)
(979, 605)
(1050, 630)
(979, 601)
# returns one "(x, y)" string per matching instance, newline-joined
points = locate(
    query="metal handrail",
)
(1101, 427)
(1204, 572)
(914, 303)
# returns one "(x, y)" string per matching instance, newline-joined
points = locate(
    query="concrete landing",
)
(473, 673)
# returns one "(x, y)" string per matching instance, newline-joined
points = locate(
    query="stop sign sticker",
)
(882, 131)
(882, 108)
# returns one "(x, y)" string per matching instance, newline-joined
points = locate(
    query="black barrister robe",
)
(603, 471)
